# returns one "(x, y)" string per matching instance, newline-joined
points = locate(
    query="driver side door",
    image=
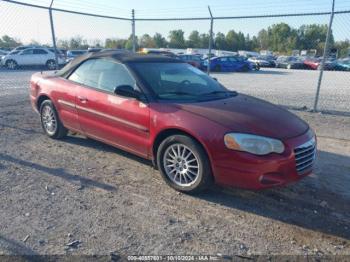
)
(105, 116)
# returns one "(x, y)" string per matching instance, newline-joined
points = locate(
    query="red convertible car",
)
(194, 130)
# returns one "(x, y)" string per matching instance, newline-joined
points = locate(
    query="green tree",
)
(313, 37)
(235, 41)
(282, 38)
(128, 44)
(147, 41)
(263, 39)
(159, 40)
(343, 47)
(177, 39)
(9, 42)
(220, 41)
(204, 40)
(194, 40)
(115, 43)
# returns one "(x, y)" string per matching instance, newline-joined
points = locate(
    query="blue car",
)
(229, 64)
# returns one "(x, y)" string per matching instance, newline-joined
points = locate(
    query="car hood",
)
(246, 114)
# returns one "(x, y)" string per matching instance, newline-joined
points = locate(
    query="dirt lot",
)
(55, 192)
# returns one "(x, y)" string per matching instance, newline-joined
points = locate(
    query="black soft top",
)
(120, 56)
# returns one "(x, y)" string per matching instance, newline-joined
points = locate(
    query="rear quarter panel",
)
(61, 92)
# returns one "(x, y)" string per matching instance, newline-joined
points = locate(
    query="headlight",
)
(257, 145)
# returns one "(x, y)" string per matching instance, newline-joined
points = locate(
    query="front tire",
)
(50, 121)
(51, 64)
(183, 164)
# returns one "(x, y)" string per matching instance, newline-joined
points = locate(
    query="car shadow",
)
(90, 143)
(58, 172)
(23, 130)
(299, 204)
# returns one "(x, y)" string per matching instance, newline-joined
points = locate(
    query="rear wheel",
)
(50, 121)
(51, 64)
(184, 164)
(11, 64)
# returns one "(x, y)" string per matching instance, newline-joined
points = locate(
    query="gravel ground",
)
(55, 192)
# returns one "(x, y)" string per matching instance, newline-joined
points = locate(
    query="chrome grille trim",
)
(305, 156)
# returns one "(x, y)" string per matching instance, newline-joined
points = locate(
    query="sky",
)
(27, 23)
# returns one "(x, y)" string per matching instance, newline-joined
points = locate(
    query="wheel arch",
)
(174, 131)
(41, 99)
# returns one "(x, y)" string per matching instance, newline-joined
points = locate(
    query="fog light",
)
(271, 179)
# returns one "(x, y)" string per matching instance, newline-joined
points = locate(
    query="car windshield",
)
(180, 81)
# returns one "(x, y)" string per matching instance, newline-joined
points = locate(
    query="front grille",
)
(305, 156)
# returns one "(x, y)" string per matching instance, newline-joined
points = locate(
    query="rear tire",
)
(11, 64)
(50, 121)
(184, 165)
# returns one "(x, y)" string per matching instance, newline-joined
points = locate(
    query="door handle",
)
(82, 99)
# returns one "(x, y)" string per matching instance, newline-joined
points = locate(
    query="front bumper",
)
(244, 170)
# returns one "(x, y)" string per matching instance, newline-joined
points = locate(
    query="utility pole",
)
(325, 54)
(53, 34)
(133, 30)
(210, 39)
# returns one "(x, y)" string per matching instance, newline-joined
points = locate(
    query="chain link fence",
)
(310, 52)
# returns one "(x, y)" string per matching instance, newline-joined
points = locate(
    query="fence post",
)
(325, 54)
(133, 30)
(53, 34)
(210, 39)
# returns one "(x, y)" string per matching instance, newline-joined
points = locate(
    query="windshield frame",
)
(155, 97)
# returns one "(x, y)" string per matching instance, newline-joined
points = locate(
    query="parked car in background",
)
(146, 51)
(60, 52)
(3, 52)
(190, 126)
(312, 63)
(343, 64)
(290, 62)
(329, 65)
(31, 57)
(194, 60)
(22, 47)
(71, 54)
(229, 64)
(94, 49)
(263, 61)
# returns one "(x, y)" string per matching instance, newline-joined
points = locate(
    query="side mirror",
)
(215, 79)
(127, 91)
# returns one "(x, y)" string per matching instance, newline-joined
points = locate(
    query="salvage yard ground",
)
(56, 192)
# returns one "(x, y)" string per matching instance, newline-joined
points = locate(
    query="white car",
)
(31, 57)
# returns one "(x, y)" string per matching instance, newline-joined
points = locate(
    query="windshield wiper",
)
(178, 93)
(220, 92)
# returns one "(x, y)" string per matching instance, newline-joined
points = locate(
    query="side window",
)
(81, 72)
(39, 52)
(111, 75)
(223, 59)
(232, 59)
(102, 74)
(27, 52)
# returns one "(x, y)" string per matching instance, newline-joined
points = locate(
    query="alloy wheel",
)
(181, 165)
(49, 120)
